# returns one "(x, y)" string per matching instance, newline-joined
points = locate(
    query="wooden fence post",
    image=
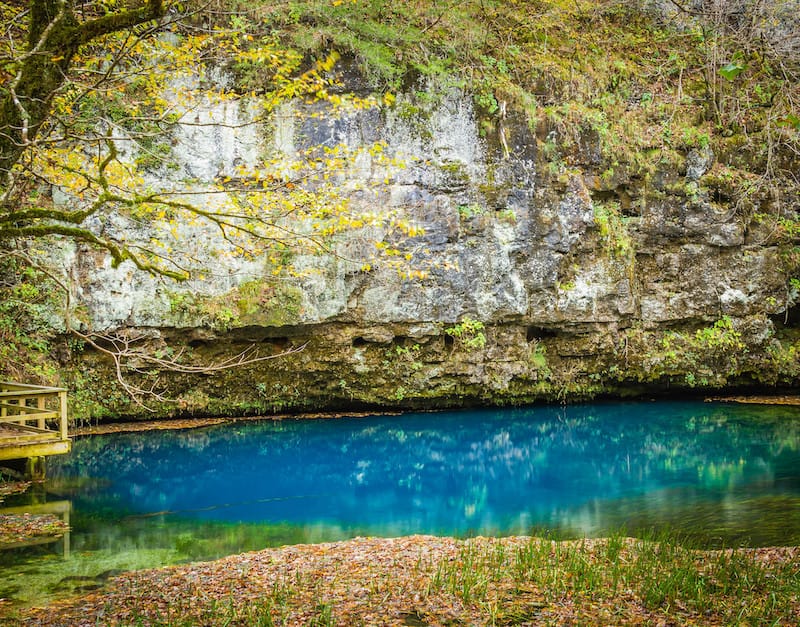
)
(35, 468)
(41, 405)
(62, 402)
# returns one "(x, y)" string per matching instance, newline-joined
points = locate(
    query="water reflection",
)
(724, 474)
(483, 471)
(59, 509)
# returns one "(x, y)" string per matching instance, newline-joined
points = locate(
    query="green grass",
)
(661, 573)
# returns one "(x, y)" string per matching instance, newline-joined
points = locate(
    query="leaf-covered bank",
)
(422, 580)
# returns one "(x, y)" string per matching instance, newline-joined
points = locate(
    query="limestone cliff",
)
(554, 268)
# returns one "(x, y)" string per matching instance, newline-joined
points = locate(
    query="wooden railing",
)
(35, 408)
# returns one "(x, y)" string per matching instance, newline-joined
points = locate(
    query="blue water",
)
(720, 474)
(488, 471)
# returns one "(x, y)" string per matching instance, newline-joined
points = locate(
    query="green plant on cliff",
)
(537, 361)
(409, 356)
(217, 313)
(270, 303)
(468, 333)
(783, 362)
(613, 230)
(467, 212)
(787, 235)
(708, 357)
(26, 309)
(721, 336)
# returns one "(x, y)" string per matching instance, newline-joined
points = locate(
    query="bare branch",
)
(129, 351)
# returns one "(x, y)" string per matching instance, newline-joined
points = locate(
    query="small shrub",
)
(468, 333)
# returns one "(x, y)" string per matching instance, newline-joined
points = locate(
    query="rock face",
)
(543, 279)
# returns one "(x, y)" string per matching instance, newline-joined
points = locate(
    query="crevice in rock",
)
(277, 343)
(788, 319)
(534, 333)
(604, 195)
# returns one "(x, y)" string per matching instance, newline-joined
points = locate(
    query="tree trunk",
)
(54, 37)
(26, 103)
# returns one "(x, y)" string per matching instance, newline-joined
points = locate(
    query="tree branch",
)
(127, 348)
(115, 22)
(119, 253)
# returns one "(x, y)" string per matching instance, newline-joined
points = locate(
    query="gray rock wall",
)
(578, 281)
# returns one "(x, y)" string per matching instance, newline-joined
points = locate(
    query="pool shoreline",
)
(197, 423)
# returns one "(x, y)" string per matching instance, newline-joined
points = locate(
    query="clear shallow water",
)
(722, 474)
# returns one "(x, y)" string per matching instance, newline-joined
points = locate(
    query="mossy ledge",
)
(344, 366)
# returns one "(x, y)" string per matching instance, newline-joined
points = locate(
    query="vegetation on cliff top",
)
(620, 90)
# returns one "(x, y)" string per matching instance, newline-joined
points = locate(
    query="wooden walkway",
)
(33, 421)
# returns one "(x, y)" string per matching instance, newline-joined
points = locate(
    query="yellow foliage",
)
(269, 210)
